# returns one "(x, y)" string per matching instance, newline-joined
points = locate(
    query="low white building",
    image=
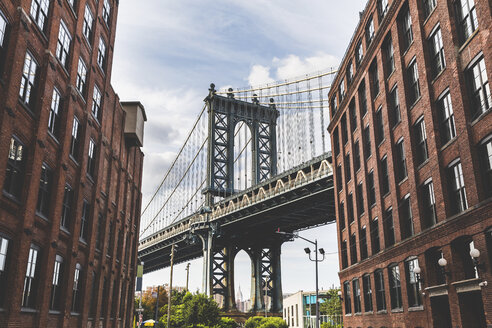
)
(299, 308)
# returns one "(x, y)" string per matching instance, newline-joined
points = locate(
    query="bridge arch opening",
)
(242, 281)
(243, 156)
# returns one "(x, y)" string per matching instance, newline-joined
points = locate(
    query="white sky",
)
(168, 52)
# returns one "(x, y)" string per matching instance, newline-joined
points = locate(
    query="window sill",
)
(28, 310)
(358, 314)
(393, 128)
(54, 312)
(372, 206)
(430, 14)
(90, 178)
(470, 38)
(387, 194)
(381, 142)
(376, 96)
(64, 230)
(422, 164)
(481, 116)
(438, 75)
(73, 160)
(42, 216)
(83, 242)
(398, 310)
(416, 308)
(11, 197)
(447, 144)
(74, 314)
(348, 314)
(27, 108)
(390, 74)
(415, 103)
(402, 181)
(369, 313)
(53, 137)
(382, 312)
(408, 49)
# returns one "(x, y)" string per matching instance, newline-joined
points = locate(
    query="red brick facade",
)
(449, 160)
(103, 197)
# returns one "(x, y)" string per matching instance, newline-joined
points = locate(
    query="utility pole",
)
(187, 275)
(170, 289)
(157, 304)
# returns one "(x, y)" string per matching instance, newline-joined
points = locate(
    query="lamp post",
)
(170, 288)
(316, 260)
(187, 275)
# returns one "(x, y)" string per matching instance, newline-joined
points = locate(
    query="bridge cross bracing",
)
(225, 177)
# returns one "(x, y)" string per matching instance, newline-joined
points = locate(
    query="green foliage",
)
(226, 323)
(332, 304)
(330, 325)
(148, 303)
(261, 322)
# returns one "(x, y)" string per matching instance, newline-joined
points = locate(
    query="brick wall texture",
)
(107, 267)
(454, 296)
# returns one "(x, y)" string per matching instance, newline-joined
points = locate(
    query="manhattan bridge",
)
(256, 160)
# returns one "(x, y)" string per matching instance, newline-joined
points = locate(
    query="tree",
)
(261, 322)
(148, 302)
(332, 304)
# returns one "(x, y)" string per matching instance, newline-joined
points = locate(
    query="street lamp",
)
(316, 260)
(170, 286)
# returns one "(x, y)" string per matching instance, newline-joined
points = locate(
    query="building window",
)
(87, 24)
(106, 12)
(28, 80)
(367, 143)
(93, 301)
(447, 125)
(362, 98)
(363, 243)
(54, 118)
(91, 158)
(376, 247)
(389, 54)
(14, 176)
(389, 227)
(401, 163)
(55, 297)
(100, 227)
(344, 254)
(395, 286)
(344, 129)
(420, 141)
(347, 298)
(428, 204)
(63, 44)
(353, 249)
(382, 8)
(76, 289)
(4, 245)
(486, 157)
(366, 285)
(44, 191)
(75, 141)
(348, 175)
(413, 82)
(380, 294)
(356, 156)
(429, 6)
(467, 16)
(479, 84)
(457, 193)
(369, 31)
(336, 141)
(406, 27)
(406, 219)
(353, 115)
(374, 76)
(350, 208)
(350, 73)
(413, 286)
(395, 107)
(371, 189)
(84, 221)
(3, 30)
(96, 103)
(333, 105)
(31, 279)
(437, 55)
(339, 178)
(341, 215)
(341, 91)
(66, 213)
(111, 239)
(356, 289)
(360, 199)
(359, 53)
(39, 11)
(81, 77)
(101, 54)
(384, 176)
(71, 2)
(378, 117)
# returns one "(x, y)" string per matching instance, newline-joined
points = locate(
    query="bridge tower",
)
(224, 113)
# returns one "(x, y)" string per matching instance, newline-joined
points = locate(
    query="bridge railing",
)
(243, 200)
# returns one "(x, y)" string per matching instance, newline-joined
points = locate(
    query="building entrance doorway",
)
(471, 309)
(440, 311)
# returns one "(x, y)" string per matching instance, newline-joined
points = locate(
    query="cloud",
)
(259, 75)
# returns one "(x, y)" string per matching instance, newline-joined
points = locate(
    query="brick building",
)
(70, 168)
(411, 131)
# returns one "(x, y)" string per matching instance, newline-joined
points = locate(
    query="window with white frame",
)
(76, 289)
(437, 52)
(429, 6)
(88, 24)
(14, 176)
(91, 158)
(66, 214)
(55, 297)
(382, 8)
(406, 27)
(75, 140)
(39, 11)
(467, 15)
(369, 31)
(395, 286)
(413, 285)
(63, 44)
(3, 30)
(389, 53)
(96, 103)
(486, 159)
(28, 80)
(429, 217)
(31, 279)
(479, 83)
(54, 117)
(106, 12)
(420, 137)
(359, 53)
(43, 205)
(446, 115)
(406, 218)
(84, 221)
(413, 82)
(401, 162)
(81, 76)
(4, 246)
(457, 190)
